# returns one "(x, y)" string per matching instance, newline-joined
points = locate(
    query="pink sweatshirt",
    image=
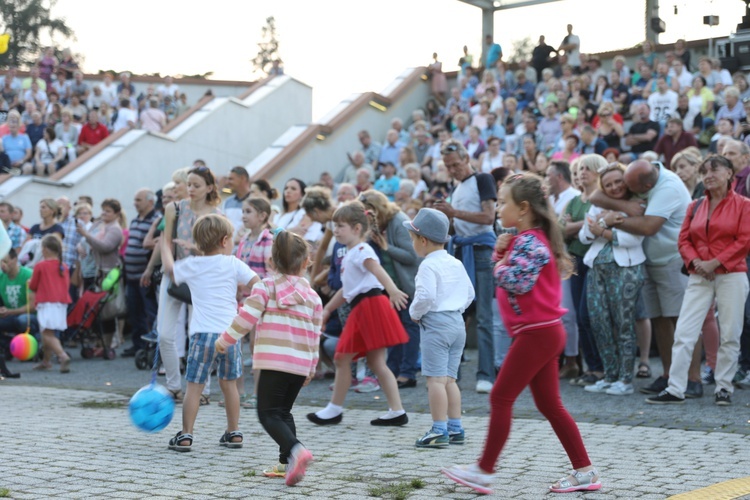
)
(286, 313)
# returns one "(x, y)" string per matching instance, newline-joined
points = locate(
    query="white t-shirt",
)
(125, 115)
(663, 106)
(213, 284)
(355, 278)
(49, 150)
(574, 55)
(293, 219)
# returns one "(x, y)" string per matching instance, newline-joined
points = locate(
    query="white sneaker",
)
(744, 383)
(599, 387)
(620, 388)
(471, 476)
(484, 387)
(368, 384)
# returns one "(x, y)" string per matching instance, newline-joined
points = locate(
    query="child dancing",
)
(286, 313)
(528, 292)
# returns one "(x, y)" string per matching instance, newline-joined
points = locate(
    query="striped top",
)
(136, 257)
(286, 313)
(255, 253)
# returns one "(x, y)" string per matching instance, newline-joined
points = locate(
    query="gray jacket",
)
(402, 252)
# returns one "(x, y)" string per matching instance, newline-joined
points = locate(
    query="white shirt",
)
(563, 199)
(663, 106)
(170, 90)
(293, 219)
(355, 278)
(441, 285)
(49, 149)
(419, 189)
(109, 93)
(213, 284)
(125, 115)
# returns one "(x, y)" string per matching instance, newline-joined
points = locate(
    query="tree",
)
(522, 49)
(26, 20)
(268, 47)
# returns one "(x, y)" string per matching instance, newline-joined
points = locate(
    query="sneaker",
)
(656, 387)
(694, 390)
(368, 384)
(599, 387)
(584, 380)
(739, 376)
(433, 439)
(484, 386)
(744, 383)
(151, 336)
(723, 398)
(665, 398)
(457, 437)
(278, 470)
(707, 377)
(298, 462)
(471, 476)
(620, 388)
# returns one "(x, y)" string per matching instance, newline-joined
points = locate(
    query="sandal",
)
(249, 402)
(644, 370)
(205, 400)
(578, 481)
(278, 470)
(228, 437)
(177, 396)
(174, 443)
(42, 367)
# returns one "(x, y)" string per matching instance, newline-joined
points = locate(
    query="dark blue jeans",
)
(745, 337)
(402, 358)
(141, 310)
(585, 336)
(17, 324)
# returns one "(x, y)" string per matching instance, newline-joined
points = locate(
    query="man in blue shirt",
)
(494, 52)
(391, 149)
(16, 145)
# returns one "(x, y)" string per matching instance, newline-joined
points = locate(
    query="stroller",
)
(85, 326)
(144, 358)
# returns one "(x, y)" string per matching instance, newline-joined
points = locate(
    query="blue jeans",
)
(484, 290)
(17, 324)
(501, 338)
(585, 336)
(402, 358)
(141, 310)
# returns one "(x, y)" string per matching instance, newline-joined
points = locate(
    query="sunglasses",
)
(452, 148)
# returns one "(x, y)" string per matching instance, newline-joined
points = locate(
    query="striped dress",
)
(286, 313)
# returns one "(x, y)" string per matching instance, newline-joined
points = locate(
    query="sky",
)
(341, 47)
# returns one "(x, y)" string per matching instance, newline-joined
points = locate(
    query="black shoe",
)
(390, 422)
(312, 417)
(694, 390)
(129, 353)
(405, 384)
(656, 387)
(723, 398)
(665, 398)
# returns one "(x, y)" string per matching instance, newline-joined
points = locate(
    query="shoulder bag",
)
(179, 292)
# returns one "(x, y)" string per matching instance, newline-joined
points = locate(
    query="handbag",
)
(179, 292)
(116, 305)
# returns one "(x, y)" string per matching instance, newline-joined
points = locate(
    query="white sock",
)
(330, 411)
(392, 414)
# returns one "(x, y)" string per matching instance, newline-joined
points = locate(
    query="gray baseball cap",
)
(430, 223)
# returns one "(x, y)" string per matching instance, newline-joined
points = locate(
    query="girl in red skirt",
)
(372, 326)
(528, 277)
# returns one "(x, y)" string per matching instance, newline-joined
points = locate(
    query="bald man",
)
(667, 200)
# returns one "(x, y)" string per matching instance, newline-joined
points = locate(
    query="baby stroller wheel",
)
(141, 359)
(109, 354)
(87, 352)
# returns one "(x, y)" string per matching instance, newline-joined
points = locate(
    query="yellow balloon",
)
(4, 39)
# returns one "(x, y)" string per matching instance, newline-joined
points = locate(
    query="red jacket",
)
(47, 283)
(726, 237)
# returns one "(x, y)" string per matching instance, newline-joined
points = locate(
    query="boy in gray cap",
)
(443, 292)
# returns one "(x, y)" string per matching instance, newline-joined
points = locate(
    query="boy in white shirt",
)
(213, 279)
(443, 292)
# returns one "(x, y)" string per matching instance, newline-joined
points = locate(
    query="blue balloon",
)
(151, 408)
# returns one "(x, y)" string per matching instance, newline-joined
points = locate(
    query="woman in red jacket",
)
(713, 243)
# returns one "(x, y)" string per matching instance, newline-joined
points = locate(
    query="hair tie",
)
(368, 212)
(277, 231)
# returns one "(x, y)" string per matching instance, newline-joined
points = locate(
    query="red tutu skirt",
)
(372, 324)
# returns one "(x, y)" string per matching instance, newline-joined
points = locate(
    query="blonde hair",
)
(210, 230)
(593, 163)
(83, 206)
(181, 175)
(353, 213)
(384, 209)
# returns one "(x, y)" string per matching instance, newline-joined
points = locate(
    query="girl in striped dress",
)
(287, 313)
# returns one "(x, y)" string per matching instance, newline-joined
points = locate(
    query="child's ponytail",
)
(53, 244)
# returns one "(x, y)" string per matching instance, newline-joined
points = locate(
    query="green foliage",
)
(268, 47)
(522, 49)
(4, 492)
(26, 21)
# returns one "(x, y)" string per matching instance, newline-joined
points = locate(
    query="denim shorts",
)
(203, 355)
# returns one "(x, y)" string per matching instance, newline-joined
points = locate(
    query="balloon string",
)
(155, 367)
(28, 310)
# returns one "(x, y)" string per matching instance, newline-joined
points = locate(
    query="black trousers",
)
(277, 392)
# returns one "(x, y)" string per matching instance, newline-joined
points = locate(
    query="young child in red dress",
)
(372, 325)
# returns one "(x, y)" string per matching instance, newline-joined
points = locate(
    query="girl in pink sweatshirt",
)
(287, 314)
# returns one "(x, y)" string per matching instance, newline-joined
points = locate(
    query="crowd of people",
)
(52, 116)
(596, 210)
